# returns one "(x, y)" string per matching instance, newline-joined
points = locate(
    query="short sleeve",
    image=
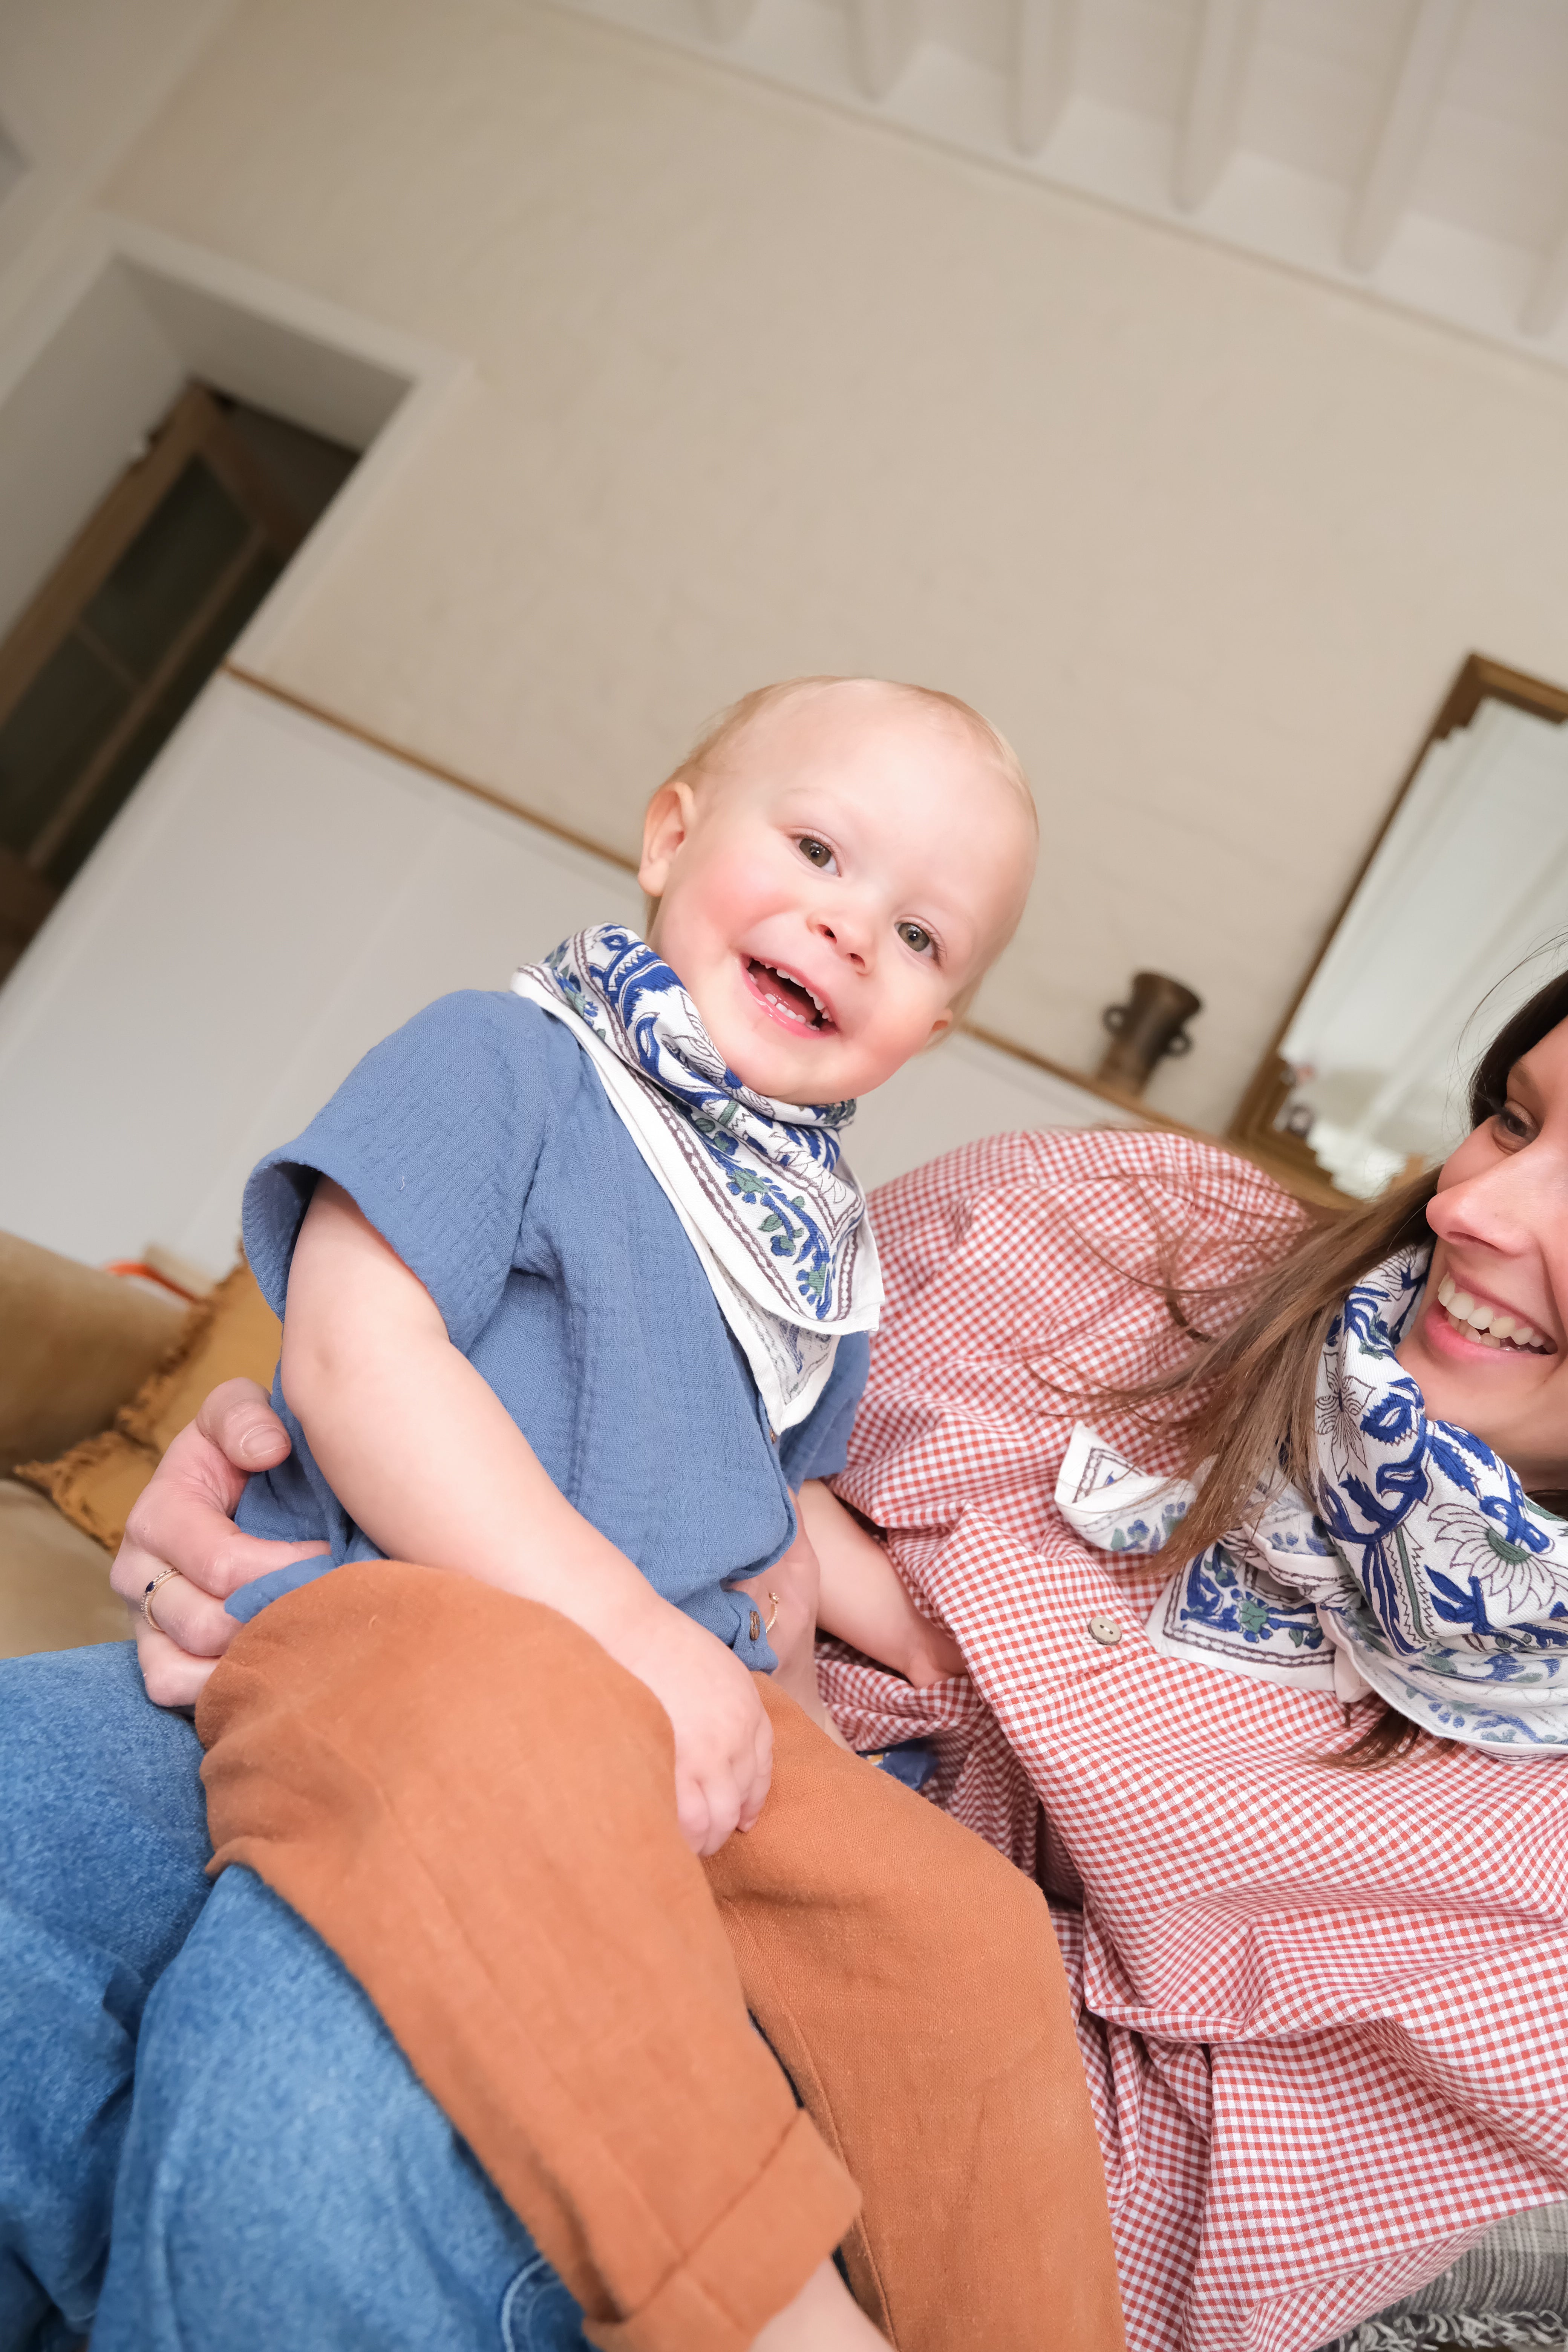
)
(435, 1136)
(817, 1447)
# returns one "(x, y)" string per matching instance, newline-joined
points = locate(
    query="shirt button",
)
(1106, 1630)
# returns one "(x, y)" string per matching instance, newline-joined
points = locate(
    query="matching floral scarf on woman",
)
(1425, 1573)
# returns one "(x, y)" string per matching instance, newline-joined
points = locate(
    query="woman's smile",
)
(1471, 1321)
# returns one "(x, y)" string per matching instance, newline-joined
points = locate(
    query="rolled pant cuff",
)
(753, 2263)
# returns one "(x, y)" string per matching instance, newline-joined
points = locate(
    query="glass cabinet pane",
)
(48, 737)
(169, 707)
(169, 567)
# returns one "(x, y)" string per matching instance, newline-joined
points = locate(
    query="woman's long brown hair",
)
(1246, 1397)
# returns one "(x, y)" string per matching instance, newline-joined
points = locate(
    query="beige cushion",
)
(77, 1344)
(94, 1484)
(54, 1580)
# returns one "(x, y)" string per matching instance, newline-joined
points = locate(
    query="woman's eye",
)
(1514, 1125)
(817, 851)
(914, 935)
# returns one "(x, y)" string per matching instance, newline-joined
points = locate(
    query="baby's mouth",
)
(787, 998)
(1477, 1319)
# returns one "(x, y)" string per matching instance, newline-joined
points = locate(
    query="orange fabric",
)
(909, 1978)
(473, 1805)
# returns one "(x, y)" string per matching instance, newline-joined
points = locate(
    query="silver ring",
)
(162, 1578)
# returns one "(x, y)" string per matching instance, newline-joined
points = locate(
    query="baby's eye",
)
(916, 936)
(817, 851)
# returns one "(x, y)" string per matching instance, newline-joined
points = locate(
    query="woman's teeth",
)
(1489, 1324)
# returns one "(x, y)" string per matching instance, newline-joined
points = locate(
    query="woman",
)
(1320, 2010)
(1324, 2011)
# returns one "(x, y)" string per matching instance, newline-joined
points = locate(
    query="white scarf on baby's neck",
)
(777, 1221)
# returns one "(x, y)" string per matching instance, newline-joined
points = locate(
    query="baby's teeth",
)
(1446, 1289)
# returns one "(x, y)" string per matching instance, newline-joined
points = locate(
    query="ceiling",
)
(1414, 149)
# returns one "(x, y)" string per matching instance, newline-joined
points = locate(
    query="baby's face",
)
(856, 864)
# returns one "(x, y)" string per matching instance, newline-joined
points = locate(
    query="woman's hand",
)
(863, 1599)
(184, 1520)
(786, 1594)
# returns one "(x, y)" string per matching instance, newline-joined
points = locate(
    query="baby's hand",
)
(723, 1741)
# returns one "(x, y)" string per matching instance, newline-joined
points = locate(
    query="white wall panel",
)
(276, 898)
(760, 387)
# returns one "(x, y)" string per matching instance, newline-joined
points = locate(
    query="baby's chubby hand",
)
(723, 1741)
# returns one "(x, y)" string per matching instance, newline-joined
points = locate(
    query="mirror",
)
(1465, 886)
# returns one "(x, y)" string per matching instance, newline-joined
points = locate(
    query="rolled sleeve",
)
(435, 1136)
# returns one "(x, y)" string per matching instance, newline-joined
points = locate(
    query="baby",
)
(577, 1288)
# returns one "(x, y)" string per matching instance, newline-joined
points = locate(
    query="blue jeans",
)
(207, 2135)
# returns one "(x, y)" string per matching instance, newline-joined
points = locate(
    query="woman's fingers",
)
(181, 1517)
(182, 1520)
(237, 1419)
(191, 1619)
(171, 1678)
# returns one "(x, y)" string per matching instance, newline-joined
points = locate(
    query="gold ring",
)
(773, 1620)
(162, 1578)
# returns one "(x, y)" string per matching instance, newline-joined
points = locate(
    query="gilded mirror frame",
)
(1287, 1156)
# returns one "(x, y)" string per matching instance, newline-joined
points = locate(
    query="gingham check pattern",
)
(1324, 2016)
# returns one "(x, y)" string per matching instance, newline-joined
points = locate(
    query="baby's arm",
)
(863, 1600)
(423, 1456)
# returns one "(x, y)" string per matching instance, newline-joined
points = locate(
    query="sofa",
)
(98, 1372)
(76, 1345)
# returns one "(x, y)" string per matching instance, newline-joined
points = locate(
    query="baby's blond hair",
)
(720, 731)
(728, 725)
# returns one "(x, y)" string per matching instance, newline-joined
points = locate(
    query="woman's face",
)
(1490, 1348)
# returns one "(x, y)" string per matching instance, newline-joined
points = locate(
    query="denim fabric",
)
(102, 1844)
(285, 2179)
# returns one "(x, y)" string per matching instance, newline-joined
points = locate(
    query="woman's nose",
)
(1508, 1206)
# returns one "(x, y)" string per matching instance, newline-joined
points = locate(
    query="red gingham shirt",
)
(1324, 2015)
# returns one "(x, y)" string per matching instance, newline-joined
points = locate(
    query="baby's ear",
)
(664, 832)
(942, 1026)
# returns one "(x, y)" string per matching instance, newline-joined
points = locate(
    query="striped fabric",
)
(1324, 2017)
(1511, 2288)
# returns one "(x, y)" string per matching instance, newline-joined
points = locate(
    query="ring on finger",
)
(162, 1578)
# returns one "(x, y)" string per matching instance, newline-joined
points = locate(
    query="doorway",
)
(101, 666)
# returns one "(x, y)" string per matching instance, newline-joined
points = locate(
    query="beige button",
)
(1106, 1630)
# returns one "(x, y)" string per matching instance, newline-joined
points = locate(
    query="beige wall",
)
(764, 389)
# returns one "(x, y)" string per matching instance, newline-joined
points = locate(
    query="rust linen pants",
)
(473, 1805)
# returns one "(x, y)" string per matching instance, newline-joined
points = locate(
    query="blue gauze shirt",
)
(481, 1144)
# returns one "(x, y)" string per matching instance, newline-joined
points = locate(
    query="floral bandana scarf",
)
(776, 1219)
(1425, 1573)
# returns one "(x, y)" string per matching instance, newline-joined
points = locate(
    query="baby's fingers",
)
(760, 1777)
(723, 1793)
(691, 1811)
